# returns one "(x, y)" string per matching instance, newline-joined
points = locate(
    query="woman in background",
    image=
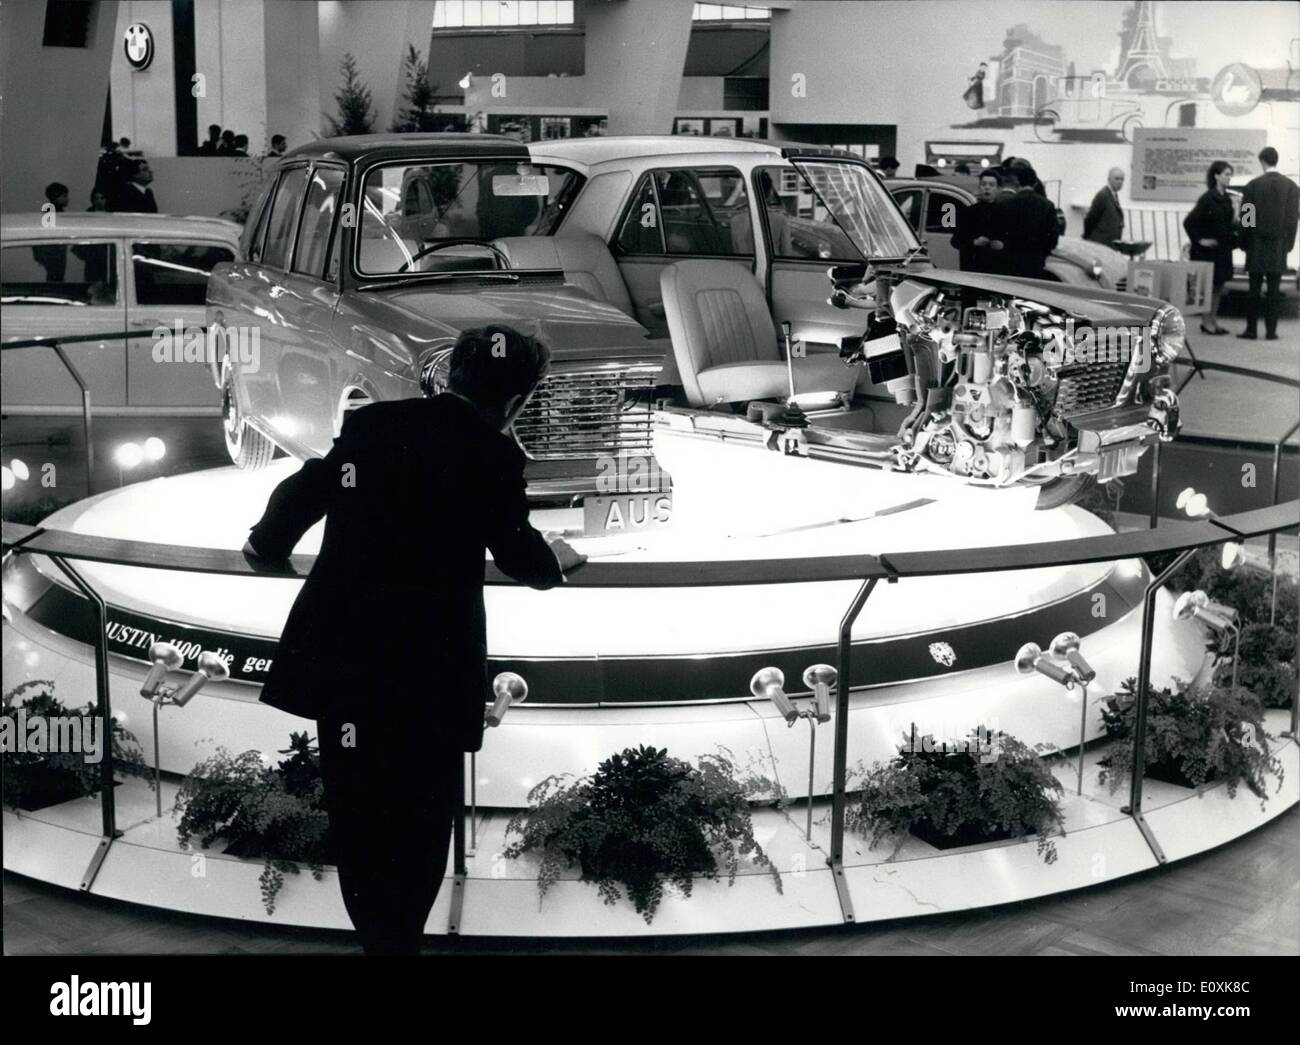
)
(1210, 229)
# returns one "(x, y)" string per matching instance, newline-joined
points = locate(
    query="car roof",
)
(597, 150)
(358, 146)
(105, 223)
(961, 182)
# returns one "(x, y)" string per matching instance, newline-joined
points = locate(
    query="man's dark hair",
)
(227, 136)
(1268, 155)
(492, 364)
(888, 161)
(991, 172)
(1022, 172)
(55, 188)
(136, 168)
(214, 130)
(279, 138)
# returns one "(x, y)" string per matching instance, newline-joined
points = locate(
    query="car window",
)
(73, 274)
(698, 212)
(284, 217)
(943, 211)
(175, 273)
(250, 240)
(317, 221)
(909, 202)
(799, 226)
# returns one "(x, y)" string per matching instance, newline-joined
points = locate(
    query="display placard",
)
(1169, 163)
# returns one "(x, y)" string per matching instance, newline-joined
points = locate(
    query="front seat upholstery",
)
(584, 259)
(725, 342)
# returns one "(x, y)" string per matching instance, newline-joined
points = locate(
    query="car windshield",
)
(847, 195)
(439, 217)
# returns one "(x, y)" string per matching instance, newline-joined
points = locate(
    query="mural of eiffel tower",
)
(1143, 61)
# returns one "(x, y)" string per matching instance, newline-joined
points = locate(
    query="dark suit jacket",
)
(975, 221)
(1029, 232)
(412, 493)
(1276, 200)
(130, 200)
(1104, 222)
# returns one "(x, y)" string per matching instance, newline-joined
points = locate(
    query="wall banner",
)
(1169, 163)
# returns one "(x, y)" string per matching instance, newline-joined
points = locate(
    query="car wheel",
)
(249, 449)
(1065, 490)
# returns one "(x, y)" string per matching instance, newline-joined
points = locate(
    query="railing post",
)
(107, 800)
(1153, 516)
(1272, 537)
(1134, 807)
(85, 414)
(843, 686)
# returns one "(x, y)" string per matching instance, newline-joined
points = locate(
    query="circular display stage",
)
(610, 668)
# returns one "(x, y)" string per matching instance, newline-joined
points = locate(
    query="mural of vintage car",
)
(660, 270)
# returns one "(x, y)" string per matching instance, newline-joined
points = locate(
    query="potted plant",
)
(270, 812)
(1199, 735)
(33, 780)
(641, 821)
(954, 794)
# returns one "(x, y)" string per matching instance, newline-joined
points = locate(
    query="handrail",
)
(1175, 536)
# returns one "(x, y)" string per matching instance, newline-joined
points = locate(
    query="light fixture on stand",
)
(1066, 646)
(508, 689)
(769, 684)
(1030, 658)
(167, 658)
(1197, 605)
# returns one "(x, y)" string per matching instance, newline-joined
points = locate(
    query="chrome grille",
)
(1090, 386)
(587, 413)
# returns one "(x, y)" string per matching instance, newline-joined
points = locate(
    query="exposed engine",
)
(1000, 386)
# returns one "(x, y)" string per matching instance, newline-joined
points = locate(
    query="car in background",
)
(111, 274)
(932, 204)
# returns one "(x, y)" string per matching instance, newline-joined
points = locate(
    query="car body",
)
(132, 273)
(923, 201)
(443, 236)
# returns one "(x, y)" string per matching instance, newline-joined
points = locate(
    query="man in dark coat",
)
(134, 195)
(1028, 223)
(1104, 222)
(1268, 228)
(386, 643)
(978, 238)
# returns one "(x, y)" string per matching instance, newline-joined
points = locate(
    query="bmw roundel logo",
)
(138, 45)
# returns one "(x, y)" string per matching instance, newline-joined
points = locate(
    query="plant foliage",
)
(641, 821)
(355, 113)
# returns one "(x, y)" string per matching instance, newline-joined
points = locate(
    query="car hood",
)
(1088, 303)
(567, 320)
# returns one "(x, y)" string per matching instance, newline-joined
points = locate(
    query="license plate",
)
(625, 513)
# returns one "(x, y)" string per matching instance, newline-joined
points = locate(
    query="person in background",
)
(888, 166)
(1028, 224)
(227, 145)
(209, 147)
(1104, 222)
(53, 257)
(1210, 229)
(978, 238)
(98, 200)
(135, 196)
(56, 195)
(241, 145)
(278, 145)
(962, 168)
(1269, 206)
(396, 713)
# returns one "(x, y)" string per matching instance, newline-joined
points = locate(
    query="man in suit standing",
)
(1269, 206)
(1028, 224)
(385, 645)
(978, 238)
(134, 195)
(1104, 222)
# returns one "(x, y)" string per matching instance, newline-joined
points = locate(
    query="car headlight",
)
(1168, 334)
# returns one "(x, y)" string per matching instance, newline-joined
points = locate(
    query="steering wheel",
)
(503, 262)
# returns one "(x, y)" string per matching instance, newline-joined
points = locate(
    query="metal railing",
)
(1184, 537)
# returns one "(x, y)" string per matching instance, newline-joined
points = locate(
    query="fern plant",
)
(272, 812)
(1195, 736)
(641, 821)
(957, 794)
(34, 779)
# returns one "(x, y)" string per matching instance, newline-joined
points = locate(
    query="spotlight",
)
(464, 82)
(820, 678)
(509, 689)
(211, 669)
(984, 161)
(128, 455)
(1232, 556)
(154, 449)
(1029, 658)
(1223, 619)
(165, 657)
(19, 468)
(1193, 503)
(769, 684)
(6, 478)
(1066, 645)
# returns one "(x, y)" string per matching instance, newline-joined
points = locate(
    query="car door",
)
(52, 287)
(272, 311)
(943, 209)
(676, 213)
(305, 356)
(167, 284)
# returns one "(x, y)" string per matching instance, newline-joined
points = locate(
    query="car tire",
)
(1062, 491)
(248, 448)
